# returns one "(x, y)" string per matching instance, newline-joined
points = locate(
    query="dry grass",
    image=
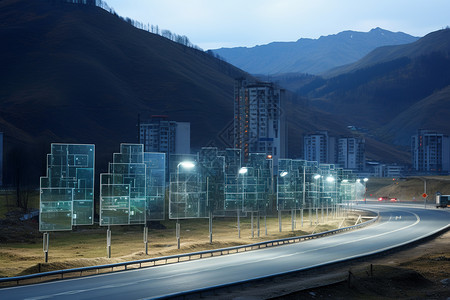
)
(409, 189)
(87, 246)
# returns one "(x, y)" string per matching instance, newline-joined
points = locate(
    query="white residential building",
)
(161, 135)
(319, 147)
(351, 153)
(430, 151)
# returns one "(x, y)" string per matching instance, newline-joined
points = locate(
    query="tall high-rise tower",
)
(258, 126)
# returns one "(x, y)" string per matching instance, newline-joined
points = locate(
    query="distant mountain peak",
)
(312, 56)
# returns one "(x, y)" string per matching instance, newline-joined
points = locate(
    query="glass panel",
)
(123, 193)
(70, 167)
(187, 198)
(55, 209)
(156, 185)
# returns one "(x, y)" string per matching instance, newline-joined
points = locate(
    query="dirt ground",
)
(21, 250)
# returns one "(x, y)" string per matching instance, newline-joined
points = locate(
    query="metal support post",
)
(310, 215)
(257, 222)
(239, 224)
(317, 215)
(108, 242)
(292, 220)
(178, 233)
(301, 215)
(210, 227)
(321, 210)
(265, 223)
(253, 233)
(295, 219)
(279, 221)
(146, 239)
(45, 246)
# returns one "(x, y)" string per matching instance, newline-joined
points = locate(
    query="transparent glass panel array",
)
(123, 188)
(67, 191)
(308, 184)
(233, 184)
(133, 190)
(291, 184)
(347, 186)
(329, 182)
(212, 169)
(156, 185)
(187, 196)
(257, 183)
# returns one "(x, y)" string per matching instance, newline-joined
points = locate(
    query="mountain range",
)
(74, 73)
(79, 74)
(313, 56)
(393, 91)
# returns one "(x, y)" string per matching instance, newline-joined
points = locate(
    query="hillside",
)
(312, 56)
(76, 73)
(392, 92)
(434, 42)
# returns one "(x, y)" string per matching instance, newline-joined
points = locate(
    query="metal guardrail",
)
(144, 263)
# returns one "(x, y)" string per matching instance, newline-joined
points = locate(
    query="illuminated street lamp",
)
(330, 179)
(185, 165)
(242, 171)
(365, 189)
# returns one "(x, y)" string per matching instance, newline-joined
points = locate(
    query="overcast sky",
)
(212, 24)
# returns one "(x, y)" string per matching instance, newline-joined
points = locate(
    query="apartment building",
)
(258, 120)
(430, 152)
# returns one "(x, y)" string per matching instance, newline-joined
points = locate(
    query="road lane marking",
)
(227, 266)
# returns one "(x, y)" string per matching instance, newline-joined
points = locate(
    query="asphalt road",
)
(397, 226)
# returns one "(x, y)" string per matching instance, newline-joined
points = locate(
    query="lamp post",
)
(242, 171)
(186, 165)
(330, 179)
(316, 178)
(287, 191)
(365, 189)
(344, 183)
(304, 192)
(356, 190)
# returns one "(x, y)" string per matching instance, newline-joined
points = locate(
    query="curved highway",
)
(398, 225)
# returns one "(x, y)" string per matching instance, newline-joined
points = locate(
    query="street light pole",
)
(242, 171)
(316, 178)
(358, 181)
(365, 189)
(185, 165)
(330, 179)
